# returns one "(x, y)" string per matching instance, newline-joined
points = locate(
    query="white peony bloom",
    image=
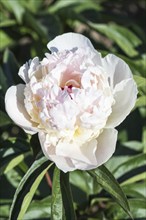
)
(73, 98)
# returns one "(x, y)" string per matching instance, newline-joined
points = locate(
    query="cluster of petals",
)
(73, 99)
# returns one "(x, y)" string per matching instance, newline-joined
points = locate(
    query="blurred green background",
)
(113, 26)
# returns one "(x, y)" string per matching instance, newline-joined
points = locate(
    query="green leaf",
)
(137, 207)
(135, 189)
(134, 145)
(14, 162)
(82, 180)
(14, 177)
(141, 101)
(134, 162)
(123, 37)
(109, 183)
(11, 68)
(35, 212)
(115, 161)
(5, 40)
(28, 187)
(35, 25)
(57, 209)
(10, 152)
(3, 81)
(5, 208)
(62, 203)
(134, 179)
(7, 23)
(15, 7)
(4, 119)
(140, 81)
(32, 5)
(62, 4)
(67, 196)
(144, 139)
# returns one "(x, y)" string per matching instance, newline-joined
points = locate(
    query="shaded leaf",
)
(3, 81)
(4, 119)
(67, 196)
(137, 207)
(16, 7)
(11, 68)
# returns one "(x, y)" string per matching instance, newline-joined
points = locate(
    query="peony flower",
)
(73, 99)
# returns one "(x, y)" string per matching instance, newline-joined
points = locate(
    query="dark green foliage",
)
(113, 27)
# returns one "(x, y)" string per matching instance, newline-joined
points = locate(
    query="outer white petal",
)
(25, 71)
(106, 145)
(125, 95)
(69, 41)
(84, 153)
(14, 103)
(83, 166)
(63, 163)
(116, 69)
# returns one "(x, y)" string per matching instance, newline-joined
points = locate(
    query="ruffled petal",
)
(125, 95)
(25, 71)
(116, 69)
(63, 163)
(69, 41)
(14, 103)
(106, 145)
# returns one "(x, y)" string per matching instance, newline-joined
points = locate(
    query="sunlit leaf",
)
(5, 40)
(135, 189)
(7, 23)
(141, 101)
(5, 207)
(14, 162)
(39, 209)
(140, 81)
(134, 179)
(11, 154)
(28, 187)
(123, 37)
(83, 181)
(62, 203)
(134, 162)
(135, 145)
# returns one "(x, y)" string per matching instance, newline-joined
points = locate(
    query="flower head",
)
(73, 98)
